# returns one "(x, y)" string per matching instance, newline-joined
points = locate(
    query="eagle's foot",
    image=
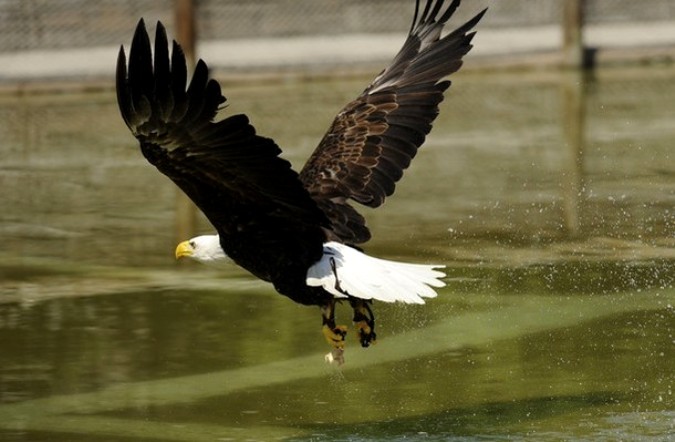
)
(335, 336)
(367, 335)
(364, 320)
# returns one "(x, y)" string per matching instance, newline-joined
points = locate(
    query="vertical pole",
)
(573, 127)
(186, 34)
(184, 17)
(573, 114)
(573, 43)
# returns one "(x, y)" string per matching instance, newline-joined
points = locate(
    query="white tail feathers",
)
(344, 271)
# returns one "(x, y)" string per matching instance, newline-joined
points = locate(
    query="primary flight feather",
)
(297, 231)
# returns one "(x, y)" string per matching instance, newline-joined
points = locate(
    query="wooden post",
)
(184, 17)
(573, 127)
(186, 34)
(573, 42)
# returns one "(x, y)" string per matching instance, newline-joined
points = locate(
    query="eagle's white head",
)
(204, 248)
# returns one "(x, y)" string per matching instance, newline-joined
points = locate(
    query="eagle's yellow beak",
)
(184, 249)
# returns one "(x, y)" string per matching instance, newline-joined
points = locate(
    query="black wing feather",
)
(374, 138)
(236, 177)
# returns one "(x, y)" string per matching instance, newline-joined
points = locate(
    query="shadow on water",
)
(549, 197)
(468, 423)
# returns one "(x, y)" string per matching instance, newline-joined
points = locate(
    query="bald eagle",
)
(298, 231)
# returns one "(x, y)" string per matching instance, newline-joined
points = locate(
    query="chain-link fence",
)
(50, 24)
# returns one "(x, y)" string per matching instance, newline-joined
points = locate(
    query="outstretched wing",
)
(233, 175)
(374, 138)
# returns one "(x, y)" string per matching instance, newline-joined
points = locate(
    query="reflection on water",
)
(550, 198)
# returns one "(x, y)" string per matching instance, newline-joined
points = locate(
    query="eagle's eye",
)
(192, 244)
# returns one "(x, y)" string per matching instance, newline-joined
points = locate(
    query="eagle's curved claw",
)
(335, 336)
(367, 335)
(364, 320)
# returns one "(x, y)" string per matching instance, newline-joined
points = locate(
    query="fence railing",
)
(76, 39)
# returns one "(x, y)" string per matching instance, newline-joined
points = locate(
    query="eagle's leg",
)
(364, 320)
(335, 334)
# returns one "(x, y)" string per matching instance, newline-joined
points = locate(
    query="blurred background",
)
(559, 96)
(547, 188)
(275, 34)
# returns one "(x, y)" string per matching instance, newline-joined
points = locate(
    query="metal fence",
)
(51, 24)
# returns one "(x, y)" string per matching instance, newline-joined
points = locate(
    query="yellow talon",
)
(366, 334)
(363, 327)
(336, 336)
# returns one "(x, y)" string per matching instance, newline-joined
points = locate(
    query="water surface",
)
(549, 197)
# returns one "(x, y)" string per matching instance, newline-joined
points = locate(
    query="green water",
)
(557, 322)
